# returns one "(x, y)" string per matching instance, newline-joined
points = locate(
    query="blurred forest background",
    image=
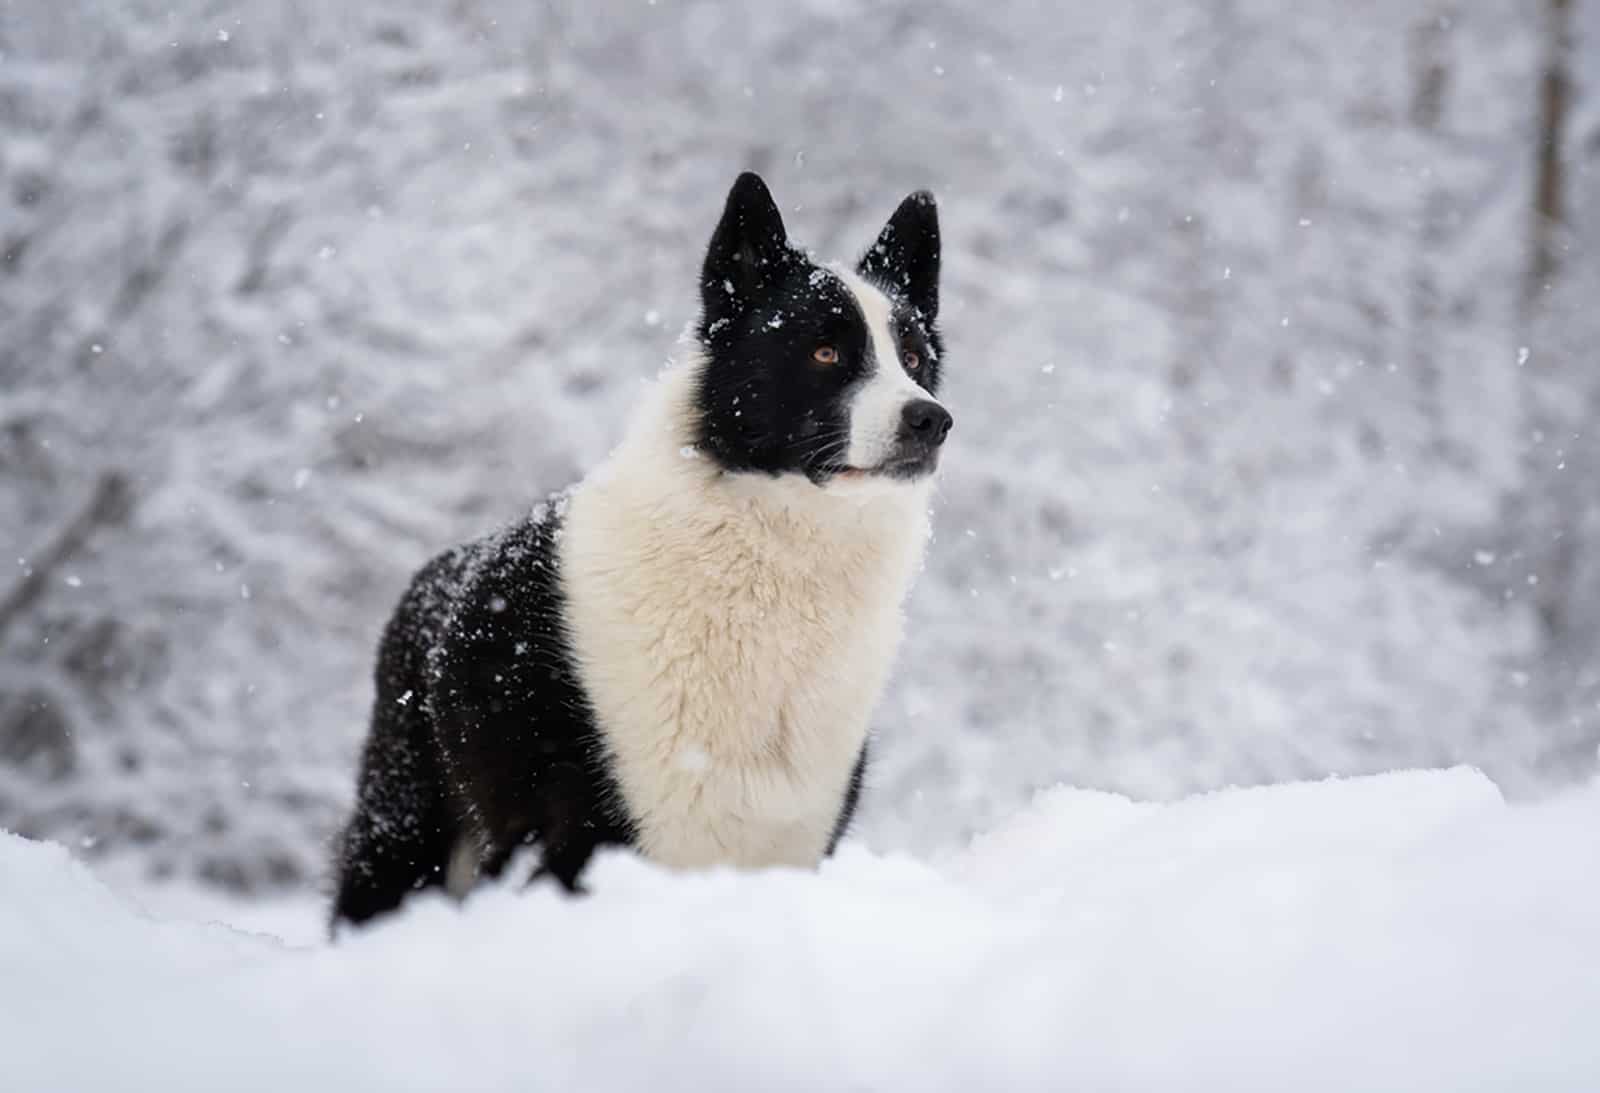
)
(1271, 330)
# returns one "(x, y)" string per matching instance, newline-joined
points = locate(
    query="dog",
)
(682, 653)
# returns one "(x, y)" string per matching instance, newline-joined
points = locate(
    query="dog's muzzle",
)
(923, 426)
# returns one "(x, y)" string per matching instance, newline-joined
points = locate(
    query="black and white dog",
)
(682, 653)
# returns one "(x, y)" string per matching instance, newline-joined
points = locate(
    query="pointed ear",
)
(748, 252)
(906, 255)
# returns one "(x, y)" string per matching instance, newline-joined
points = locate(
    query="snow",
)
(1407, 931)
(1260, 475)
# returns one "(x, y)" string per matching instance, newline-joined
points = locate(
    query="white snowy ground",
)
(1408, 931)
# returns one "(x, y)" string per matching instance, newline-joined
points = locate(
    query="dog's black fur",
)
(481, 725)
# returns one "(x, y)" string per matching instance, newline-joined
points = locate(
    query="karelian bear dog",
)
(682, 653)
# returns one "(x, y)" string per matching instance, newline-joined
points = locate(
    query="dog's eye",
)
(911, 360)
(825, 354)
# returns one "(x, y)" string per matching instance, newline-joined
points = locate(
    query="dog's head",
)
(830, 372)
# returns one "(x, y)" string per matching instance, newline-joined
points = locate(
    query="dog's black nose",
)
(926, 421)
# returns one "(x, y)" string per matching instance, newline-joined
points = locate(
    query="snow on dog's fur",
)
(683, 653)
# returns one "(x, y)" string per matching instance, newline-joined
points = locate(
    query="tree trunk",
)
(1555, 97)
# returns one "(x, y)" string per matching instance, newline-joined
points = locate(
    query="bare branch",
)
(108, 504)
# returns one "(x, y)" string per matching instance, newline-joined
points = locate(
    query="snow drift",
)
(1404, 931)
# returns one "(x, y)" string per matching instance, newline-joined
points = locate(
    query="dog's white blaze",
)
(733, 633)
(876, 406)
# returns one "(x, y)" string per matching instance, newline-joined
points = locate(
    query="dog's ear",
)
(749, 251)
(906, 256)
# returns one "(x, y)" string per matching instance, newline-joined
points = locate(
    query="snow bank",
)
(1407, 931)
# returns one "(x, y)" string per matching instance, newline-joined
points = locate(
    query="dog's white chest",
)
(733, 663)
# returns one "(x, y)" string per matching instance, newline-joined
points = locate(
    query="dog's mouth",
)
(902, 468)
